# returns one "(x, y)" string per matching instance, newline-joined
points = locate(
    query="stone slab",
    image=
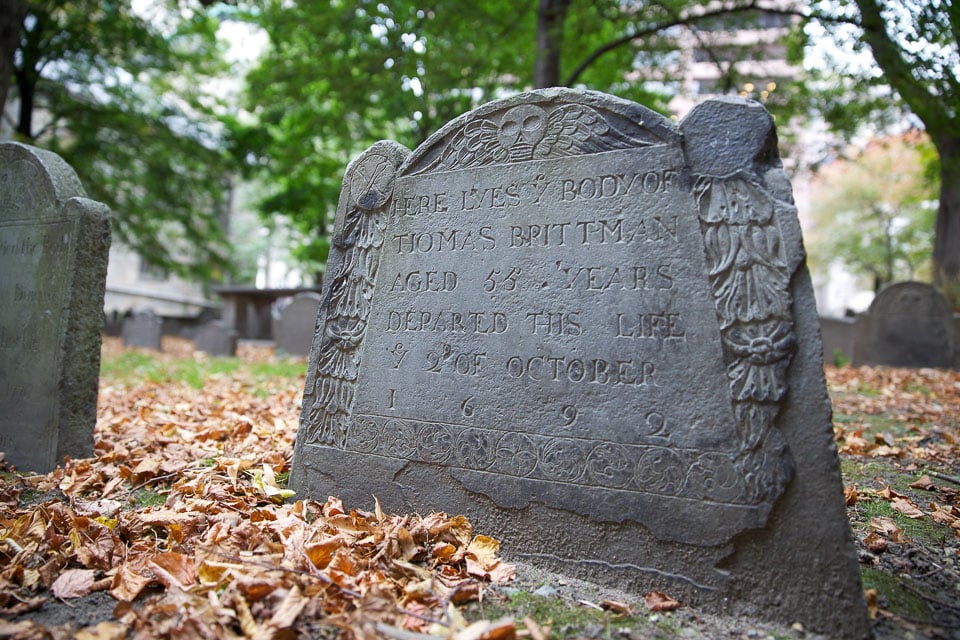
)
(216, 338)
(293, 330)
(591, 331)
(143, 329)
(54, 244)
(908, 324)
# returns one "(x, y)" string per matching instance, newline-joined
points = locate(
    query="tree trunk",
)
(551, 15)
(946, 243)
(11, 23)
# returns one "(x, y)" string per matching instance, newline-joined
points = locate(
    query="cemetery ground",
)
(181, 525)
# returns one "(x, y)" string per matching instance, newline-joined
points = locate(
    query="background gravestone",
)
(908, 324)
(294, 329)
(590, 331)
(216, 338)
(143, 329)
(53, 263)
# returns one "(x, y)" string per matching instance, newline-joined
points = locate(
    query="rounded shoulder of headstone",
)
(910, 296)
(727, 134)
(55, 176)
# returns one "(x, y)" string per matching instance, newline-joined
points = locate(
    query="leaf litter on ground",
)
(184, 519)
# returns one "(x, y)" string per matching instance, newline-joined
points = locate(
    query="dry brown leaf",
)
(103, 631)
(888, 528)
(74, 583)
(174, 570)
(870, 595)
(127, 583)
(617, 607)
(659, 601)
(907, 508)
(290, 607)
(875, 542)
(850, 494)
(923, 482)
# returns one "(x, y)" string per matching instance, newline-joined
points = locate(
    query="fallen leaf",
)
(907, 508)
(174, 570)
(102, 631)
(875, 542)
(923, 482)
(870, 595)
(659, 601)
(888, 528)
(74, 583)
(617, 607)
(850, 495)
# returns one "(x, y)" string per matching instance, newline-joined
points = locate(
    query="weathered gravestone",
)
(908, 324)
(53, 263)
(591, 331)
(216, 338)
(143, 329)
(293, 330)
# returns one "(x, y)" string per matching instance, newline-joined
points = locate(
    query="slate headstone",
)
(216, 338)
(293, 331)
(591, 331)
(908, 324)
(54, 244)
(144, 329)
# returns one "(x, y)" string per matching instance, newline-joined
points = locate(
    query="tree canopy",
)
(124, 97)
(915, 45)
(339, 77)
(874, 213)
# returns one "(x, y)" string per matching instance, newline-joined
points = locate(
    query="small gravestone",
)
(908, 324)
(591, 331)
(294, 329)
(54, 244)
(143, 329)
(216, 338)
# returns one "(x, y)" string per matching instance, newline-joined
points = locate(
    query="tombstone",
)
(294, 329)
(143, 329)
(837, 335)
(591, 331)
(216, 338)
(53, 264)
(908, 324)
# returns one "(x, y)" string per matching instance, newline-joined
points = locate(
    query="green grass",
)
(145, 498)
(568, 619)
(899, 600)
(135, 366)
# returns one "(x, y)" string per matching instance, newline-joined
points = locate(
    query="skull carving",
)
(521, 130)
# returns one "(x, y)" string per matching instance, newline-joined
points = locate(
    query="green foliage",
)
(875, 213)
(897, 56)
(125, 98)
(339, 76)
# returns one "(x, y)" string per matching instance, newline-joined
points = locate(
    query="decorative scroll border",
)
(637, 468)
(368, 189)
(750, 279)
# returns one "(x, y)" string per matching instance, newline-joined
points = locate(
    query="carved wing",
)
(575, 129)
(475, 145)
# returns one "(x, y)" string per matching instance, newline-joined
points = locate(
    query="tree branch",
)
(676, 21)
(898, 71)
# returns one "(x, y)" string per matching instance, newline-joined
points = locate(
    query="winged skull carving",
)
(530, 132)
